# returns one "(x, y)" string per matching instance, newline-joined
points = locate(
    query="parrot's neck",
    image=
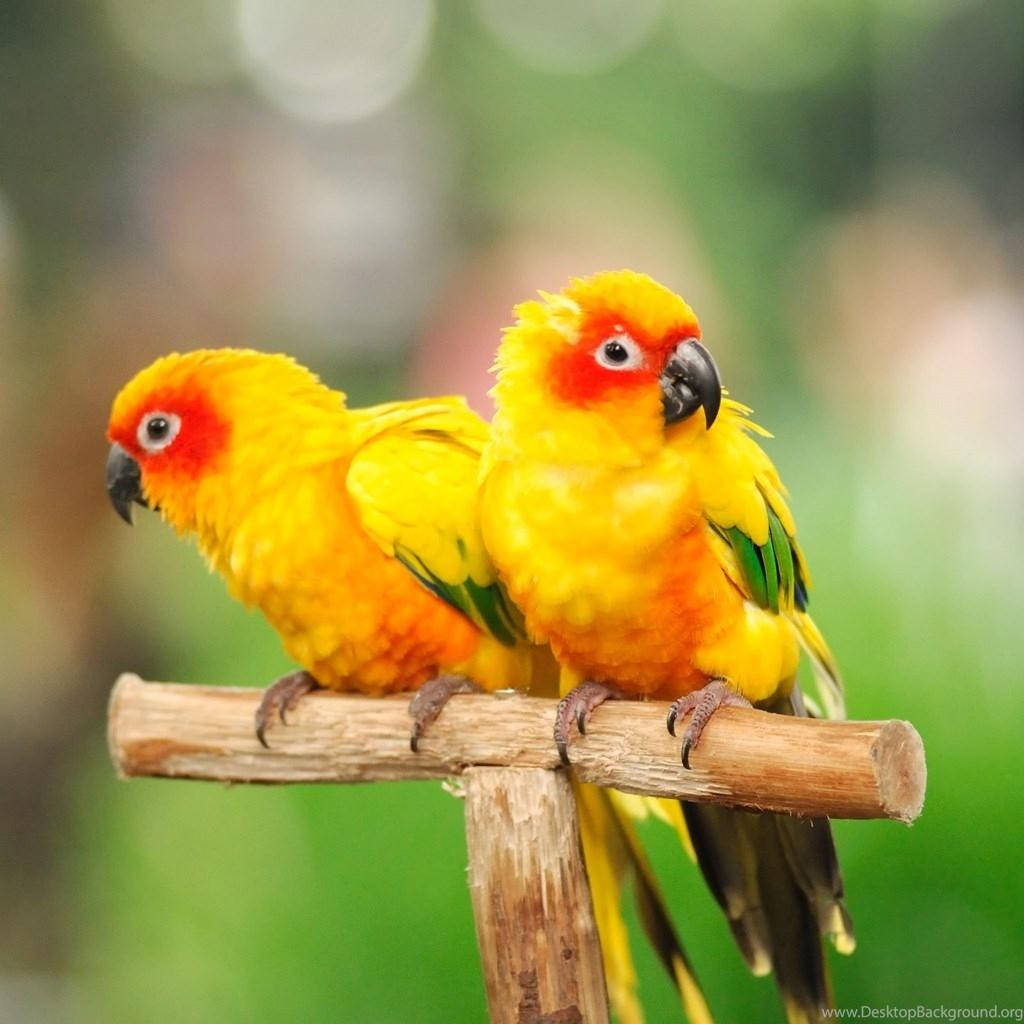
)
(542, 432)
(272, 462)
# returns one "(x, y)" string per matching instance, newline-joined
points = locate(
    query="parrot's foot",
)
(579, 703)
(430, 700)
(703, 703)
(281, 697)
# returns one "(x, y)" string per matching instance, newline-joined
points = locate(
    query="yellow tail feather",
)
(613, 853)
(823, 663)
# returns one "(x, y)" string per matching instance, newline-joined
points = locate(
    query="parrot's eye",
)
(157, 430)
(619, 352)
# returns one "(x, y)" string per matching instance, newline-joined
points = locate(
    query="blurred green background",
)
(836, 186)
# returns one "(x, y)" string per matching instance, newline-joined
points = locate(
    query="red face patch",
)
(581, 374)
(201, 437)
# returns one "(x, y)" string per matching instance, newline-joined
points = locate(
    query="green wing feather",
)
(754, 537)
(767, 572)
(770, 568)
(751, 565)
(485, 605)
(413, 481)
(783, 551)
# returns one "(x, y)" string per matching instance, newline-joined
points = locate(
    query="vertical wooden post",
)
(531, 899)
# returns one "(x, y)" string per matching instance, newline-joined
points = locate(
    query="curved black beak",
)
(689, 381)
(124, 482)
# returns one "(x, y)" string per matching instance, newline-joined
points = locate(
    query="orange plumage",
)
(645, 535)
(353, 530)
(356, 533)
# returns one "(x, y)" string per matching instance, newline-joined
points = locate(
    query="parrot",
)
(645, 535)
(356, 533)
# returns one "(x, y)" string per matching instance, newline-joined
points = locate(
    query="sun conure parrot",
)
(355, 531)
(645, 536)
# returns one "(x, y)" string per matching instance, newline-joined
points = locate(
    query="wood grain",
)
(746, 758)
(531, 901)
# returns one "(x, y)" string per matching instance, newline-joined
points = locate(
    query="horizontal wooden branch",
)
(746, 758)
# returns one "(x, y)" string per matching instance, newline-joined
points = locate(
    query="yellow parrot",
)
(645, 536)
(356, 533)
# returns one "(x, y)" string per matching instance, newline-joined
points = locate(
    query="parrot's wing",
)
(413, 482)
(768, 574)
(753, 534)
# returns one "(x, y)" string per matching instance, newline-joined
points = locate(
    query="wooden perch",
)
(531, 899)
(746, 758)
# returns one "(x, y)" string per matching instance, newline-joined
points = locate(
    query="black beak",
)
(124, 482)
(690, 380)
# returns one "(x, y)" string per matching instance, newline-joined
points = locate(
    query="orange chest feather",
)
(395, 633)
(654, 647)
(350, 614)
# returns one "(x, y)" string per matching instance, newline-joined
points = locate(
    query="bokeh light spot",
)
(325, 61)
(768, 45)
(570, 36)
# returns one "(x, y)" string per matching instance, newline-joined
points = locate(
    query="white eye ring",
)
(157, 429)
(619, 352)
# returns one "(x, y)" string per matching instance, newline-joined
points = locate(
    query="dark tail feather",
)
(811, 854)
(812, 859)
(798, 958)
(777, 879)
(728, 861)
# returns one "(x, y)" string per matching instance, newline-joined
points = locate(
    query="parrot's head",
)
(194, 427)
(610, 366)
